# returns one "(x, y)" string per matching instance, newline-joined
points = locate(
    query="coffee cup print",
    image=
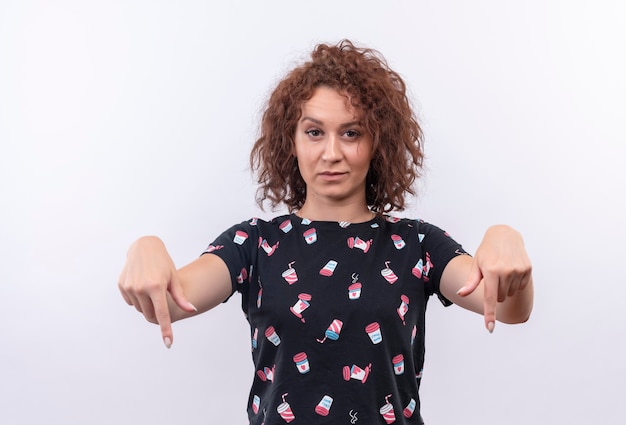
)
(388, 274)
(387, 411)
(286, 226)
(398, 242)
(302, 363)
(403, 308)
(266, 374)
(256, 403)
(301, 305)
(329, 268)
(240, 237)
(259, 298)
(269, 249)
(242, 276)
(398, 364)
(213, 248)
(357, 373)
(310, 236)
(272, 336)
(409, 409)
(356, 242)
(284, 410)
(354, 291)
(373, 330)
(323, 407)
(333, 331)
(255, 338)
(290, 274)
(417, 269)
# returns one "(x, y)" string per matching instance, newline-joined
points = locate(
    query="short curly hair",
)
(373, 88)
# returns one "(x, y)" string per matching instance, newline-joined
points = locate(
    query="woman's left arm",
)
(497, 282)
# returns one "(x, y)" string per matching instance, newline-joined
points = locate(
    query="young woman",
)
(335, 291)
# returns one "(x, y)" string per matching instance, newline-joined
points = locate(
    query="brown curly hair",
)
(373, 88)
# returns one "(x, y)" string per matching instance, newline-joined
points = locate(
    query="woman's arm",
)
(150, 282)
(496, 282)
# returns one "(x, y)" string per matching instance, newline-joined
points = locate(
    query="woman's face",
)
(332, 149)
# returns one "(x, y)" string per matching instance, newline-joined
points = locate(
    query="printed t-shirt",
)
(337, 314)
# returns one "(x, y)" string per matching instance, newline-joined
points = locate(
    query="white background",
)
(124, 118)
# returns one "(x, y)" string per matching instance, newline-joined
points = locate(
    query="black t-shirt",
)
(336, 313)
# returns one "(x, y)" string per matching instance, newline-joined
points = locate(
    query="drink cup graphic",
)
(419, 375)
(323, 407)
(398, 364)
(243, 275)
(387, 411)
(302, 363)
(259, 298)
(269, 373)
(272, 336)
(373, 330)
(344, 224)
(403, 308)
(269, 249)
(329, 268)
(301, 305)
(255, 338)
(310, 236)
(354, 291)
(333, 331)
(284, 410)
(413, 334)
(286, 226)
(398, 242)
(355, 372)
(409, 409)
(427, 266)
(417, 269)
(240, 237)
(356, 242)
(256, 402)
(361, 244)
(388, 274)
(290, 274)
(266, 374)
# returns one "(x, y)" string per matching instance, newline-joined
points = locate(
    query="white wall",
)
(124, 118)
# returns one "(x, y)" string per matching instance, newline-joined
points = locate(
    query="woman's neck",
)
(350, 213)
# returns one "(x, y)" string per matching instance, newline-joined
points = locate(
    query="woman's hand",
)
(502, 265)
(147, 277)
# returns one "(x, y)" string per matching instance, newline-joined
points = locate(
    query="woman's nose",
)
(332, 149)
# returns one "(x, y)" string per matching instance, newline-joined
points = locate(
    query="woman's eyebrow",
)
(318, 122)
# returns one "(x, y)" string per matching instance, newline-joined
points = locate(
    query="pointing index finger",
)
(490, 299)
(162, 313)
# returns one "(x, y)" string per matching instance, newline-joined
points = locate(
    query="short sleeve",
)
(237, 247)
(438, 248)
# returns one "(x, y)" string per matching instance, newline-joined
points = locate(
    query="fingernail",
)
(192, 306)
(490, 327)
(460, 290)
(167, 341)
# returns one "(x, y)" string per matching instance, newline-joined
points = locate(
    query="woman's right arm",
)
(151, 283)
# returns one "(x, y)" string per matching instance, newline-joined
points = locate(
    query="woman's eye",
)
(352, 133)
(313, 132)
